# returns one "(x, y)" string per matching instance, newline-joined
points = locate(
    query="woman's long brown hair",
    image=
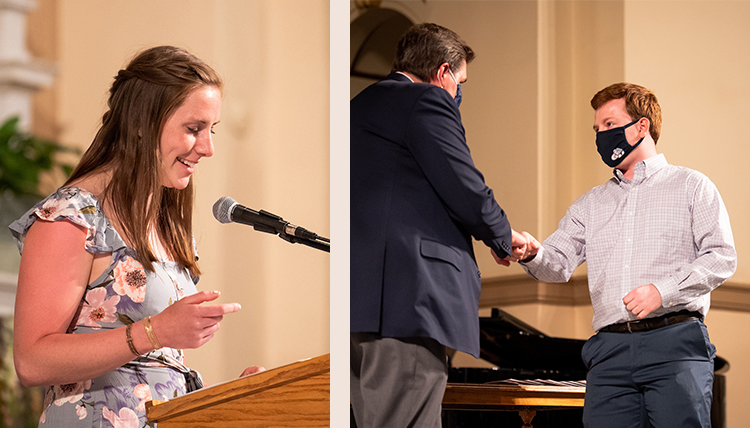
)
(143, 96)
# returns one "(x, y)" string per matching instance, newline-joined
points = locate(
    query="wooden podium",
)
(295, 395)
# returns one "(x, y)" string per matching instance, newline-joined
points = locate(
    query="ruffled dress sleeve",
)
(77, 206)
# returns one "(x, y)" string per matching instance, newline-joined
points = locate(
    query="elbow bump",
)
(25, 378)
(26, 375)
(27, 382)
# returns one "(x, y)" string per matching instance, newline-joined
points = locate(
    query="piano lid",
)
(508, 342)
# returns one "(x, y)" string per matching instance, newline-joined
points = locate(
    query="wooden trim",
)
(460, 396)
(731, 296)
(521, 289)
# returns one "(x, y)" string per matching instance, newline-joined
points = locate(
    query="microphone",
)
(227, 210)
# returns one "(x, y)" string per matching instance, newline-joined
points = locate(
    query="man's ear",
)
(437, 78)
(644, 125)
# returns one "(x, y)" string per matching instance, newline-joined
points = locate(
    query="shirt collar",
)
(644, 169)
(404, 74)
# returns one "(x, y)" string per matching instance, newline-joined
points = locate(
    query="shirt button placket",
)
(630, 207)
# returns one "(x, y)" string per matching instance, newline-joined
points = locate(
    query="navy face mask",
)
(613, 146)
(457, 98)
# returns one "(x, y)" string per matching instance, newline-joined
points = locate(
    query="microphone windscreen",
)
(223, 209)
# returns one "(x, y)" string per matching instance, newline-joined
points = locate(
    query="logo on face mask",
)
(613, 145)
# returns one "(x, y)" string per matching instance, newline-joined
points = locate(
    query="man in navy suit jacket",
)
(416, 202)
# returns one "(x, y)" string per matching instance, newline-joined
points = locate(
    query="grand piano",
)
(521, 352)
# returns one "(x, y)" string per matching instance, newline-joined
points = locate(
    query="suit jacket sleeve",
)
(437, 141)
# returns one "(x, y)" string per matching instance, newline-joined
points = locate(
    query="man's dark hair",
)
(425, 47)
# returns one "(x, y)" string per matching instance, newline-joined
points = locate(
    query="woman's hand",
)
(188, 323)
(252, 370)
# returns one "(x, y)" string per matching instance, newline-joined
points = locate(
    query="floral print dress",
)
(123, 294)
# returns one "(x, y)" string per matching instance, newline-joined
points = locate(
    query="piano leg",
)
(526, 416)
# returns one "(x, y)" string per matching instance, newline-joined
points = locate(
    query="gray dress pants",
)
(396, 382)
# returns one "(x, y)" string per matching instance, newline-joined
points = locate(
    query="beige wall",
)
(528, 120)
(272, 151)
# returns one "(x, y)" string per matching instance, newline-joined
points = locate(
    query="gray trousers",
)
(396, 382)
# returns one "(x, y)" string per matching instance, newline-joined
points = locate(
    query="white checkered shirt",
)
(667, 227)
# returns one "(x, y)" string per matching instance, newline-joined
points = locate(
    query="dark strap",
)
(193, 381)
(649, 324)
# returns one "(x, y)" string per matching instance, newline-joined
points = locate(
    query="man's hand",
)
(643, 300)
(505, 261)
(532, 246)
(524, 246)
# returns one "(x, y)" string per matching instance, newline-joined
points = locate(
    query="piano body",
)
(519, 351)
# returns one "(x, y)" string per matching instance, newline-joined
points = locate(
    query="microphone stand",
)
(320, 245)
(270, 223)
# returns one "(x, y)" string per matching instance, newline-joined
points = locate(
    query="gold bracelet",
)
(130, 340)
(151, 335)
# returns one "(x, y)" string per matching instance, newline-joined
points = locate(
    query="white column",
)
(20, 74)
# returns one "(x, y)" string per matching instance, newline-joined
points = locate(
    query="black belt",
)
(653, 323)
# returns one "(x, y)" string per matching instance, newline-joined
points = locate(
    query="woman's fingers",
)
(190, 322)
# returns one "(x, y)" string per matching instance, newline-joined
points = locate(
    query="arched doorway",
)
(373, 39)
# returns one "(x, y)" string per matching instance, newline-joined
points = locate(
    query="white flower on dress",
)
(81, 412)
(71, 392)
(98, 309)
(143, 392)
(54, 208)
(180, 292)
(125, 419)
(130, 279)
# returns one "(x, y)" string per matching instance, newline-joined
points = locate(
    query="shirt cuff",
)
(536, 261)
(669, 291)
